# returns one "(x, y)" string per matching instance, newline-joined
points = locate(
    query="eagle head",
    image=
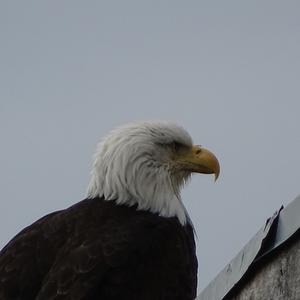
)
(146, 164)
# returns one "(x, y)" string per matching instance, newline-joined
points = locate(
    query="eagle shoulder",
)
(99, 250)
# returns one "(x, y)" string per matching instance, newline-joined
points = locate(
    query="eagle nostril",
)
(198, 151)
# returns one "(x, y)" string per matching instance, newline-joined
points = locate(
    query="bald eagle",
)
(131, 238)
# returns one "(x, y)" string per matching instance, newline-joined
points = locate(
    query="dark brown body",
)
(99, 250)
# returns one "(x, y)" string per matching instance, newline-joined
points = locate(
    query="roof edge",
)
(277, 230)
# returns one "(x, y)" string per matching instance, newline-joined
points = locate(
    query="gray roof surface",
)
(277, 230)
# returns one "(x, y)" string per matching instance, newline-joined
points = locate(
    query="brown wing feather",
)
(98, 250)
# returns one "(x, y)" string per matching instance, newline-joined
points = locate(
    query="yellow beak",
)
(199, 160)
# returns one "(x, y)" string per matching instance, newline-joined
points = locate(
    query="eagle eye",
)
(176, 146)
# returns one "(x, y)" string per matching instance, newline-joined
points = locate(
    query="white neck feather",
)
(131, 168)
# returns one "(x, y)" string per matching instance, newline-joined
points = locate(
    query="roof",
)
(277, 230)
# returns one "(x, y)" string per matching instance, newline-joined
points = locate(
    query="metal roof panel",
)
(277, 230)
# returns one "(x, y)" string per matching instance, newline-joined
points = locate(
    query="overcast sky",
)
(228, 71)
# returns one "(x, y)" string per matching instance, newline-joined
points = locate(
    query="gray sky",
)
(228, 71)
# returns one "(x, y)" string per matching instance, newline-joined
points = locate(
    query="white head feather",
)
(133, 165)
